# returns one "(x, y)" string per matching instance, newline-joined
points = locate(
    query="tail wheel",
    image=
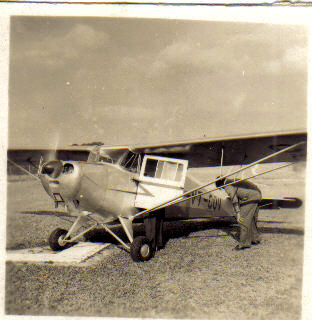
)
(141, 249)
(56, 240)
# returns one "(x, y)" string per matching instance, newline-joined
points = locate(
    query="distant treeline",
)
(95, 143)
(30, 159)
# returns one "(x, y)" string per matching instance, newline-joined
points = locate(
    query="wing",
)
(33, 155)
(241, 151)
(29, 159)
(237, 150)
(207, 152)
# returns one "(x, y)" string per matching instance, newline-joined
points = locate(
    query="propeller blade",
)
(52, 153)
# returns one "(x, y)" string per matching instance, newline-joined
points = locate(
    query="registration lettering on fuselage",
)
(209, 201)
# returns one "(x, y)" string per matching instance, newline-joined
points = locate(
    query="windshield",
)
(131, 161)
(128, 160)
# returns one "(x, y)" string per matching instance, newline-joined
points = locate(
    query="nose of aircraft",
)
(52, 168)
(61, 179)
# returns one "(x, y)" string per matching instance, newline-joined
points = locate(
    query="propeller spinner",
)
(52, 168)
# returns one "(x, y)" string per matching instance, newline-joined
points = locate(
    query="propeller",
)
(52, 168)
(52, 153)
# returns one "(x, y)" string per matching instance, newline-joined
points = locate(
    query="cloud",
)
(255, 51)
(56, 50)
(115, 85)
(182, 56)
(85, 37)
(272, 66)
(194, 58)
(291, 60)
(296, 58)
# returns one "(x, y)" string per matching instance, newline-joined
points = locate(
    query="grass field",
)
(197, 275)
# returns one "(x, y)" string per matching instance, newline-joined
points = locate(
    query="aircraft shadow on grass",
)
(47, 213)
(172, 230)
(181, 228)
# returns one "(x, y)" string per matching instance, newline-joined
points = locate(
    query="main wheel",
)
(141, 249)
(56, 240)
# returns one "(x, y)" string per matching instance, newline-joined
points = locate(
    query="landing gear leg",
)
(60, 239)
(57, 240)
(140, 247)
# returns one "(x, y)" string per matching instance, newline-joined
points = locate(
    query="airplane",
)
(127, 183)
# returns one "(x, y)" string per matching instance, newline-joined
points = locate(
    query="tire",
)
(141, 249)
(54, 240)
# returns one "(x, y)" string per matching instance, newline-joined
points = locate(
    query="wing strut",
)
(24, 170)
(222, 154)
(228, 184)
(212, 182)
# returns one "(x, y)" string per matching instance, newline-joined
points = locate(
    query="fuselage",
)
(110, 190)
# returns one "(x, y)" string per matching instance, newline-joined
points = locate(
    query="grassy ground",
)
(197, 275)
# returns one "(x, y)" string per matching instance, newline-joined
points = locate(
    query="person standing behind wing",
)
(245, 197)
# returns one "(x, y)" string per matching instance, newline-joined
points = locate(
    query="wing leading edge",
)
(236, 150)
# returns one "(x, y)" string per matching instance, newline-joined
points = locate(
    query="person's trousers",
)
(153, 225)
(248, 225)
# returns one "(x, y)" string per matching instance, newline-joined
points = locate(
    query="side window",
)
(179, 172)
(165, 170)
(159, 169)
(150, 168)
(169, 171)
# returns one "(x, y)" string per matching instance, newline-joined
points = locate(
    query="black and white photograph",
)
(156, 167)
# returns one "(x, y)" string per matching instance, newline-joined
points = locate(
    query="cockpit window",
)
(169, 171)
(179, 172)
(131, 162)
(164, 169)
(151, 168)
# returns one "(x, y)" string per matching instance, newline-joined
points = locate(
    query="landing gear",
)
(141, 249)
(57, 240)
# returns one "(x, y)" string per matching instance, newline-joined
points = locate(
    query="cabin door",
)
(161, 179)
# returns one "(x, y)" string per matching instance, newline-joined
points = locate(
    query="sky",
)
(133, 81)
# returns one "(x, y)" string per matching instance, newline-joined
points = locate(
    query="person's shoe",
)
(255, 243)
(238, 248)
(234, 235)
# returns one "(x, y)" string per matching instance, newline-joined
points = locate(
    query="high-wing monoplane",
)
(127, 183)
